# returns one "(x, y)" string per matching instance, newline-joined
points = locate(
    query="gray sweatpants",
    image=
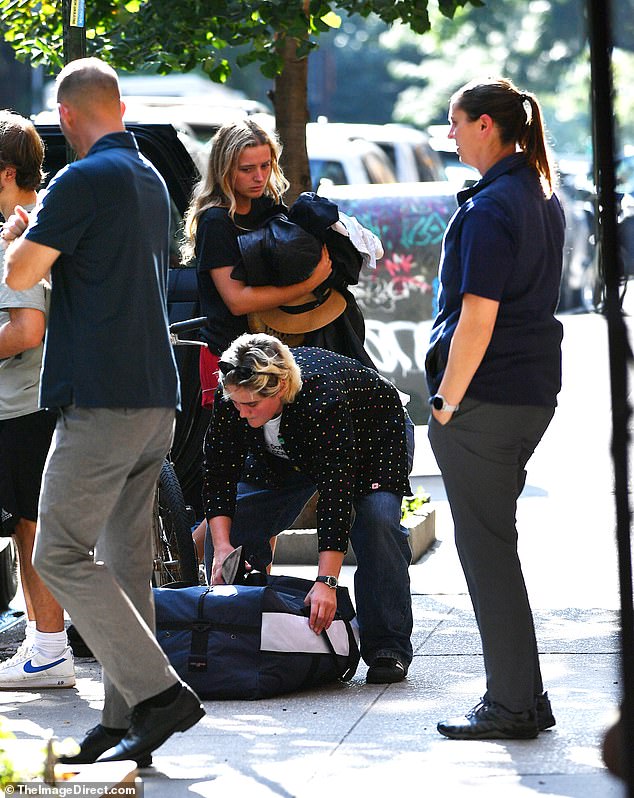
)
(94, 549)
(482, 453)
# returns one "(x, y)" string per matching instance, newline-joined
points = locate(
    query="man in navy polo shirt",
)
(102, 230)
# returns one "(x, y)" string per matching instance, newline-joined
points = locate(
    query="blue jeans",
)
(380, 543)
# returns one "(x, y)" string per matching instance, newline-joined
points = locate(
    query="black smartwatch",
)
(438, 402)
(331, 581)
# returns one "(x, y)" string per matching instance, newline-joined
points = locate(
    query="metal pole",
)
(599, 21)
(74, 41)
(74, 27)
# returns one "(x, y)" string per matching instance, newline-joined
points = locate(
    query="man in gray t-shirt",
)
(44, 659)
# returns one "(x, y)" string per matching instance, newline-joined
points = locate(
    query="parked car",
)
(408, 149)
(336, 160)
(201, 118)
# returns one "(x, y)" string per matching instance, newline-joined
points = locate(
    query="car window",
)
(390, 150)
(428, 167)
(331, 171)
(379, 171)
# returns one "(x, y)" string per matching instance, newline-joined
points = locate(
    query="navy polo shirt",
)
(505, 242)
(107, 342)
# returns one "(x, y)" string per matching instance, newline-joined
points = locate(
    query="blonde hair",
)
(270, 362)
(518, 117)
(216, 187)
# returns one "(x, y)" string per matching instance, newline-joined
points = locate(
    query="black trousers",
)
(482, 453)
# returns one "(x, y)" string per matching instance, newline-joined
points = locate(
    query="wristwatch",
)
(438, 402)
(331, 581)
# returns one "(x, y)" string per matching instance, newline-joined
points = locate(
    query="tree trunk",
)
(291, 115)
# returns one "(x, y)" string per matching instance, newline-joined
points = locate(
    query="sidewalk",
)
(378, 739)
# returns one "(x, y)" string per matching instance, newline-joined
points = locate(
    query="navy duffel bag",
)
(248, 642)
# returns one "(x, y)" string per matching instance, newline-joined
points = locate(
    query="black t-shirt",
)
(217, 247)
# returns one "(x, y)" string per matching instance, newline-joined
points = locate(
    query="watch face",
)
(437, 402)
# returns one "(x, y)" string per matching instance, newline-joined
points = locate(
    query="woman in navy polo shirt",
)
(494, 372)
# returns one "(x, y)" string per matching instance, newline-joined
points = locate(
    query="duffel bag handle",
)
(353, 653)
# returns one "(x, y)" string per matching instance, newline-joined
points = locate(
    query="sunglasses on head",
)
(243, 373)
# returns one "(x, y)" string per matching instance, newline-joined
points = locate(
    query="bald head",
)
(89, 102)
(89, 83)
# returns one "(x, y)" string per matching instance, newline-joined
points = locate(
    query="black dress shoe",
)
(491, 721)
(151, 726)
(386, 670)
(94, 744)
(545, 717)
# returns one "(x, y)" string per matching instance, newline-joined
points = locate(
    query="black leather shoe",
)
(386, 670)
(545, 717)
(491, 721)
(150, 726)
(96, 742)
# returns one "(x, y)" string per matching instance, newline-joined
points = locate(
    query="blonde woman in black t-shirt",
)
(242, 188)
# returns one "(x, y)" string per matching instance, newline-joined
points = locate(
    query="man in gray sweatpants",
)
(102, 230)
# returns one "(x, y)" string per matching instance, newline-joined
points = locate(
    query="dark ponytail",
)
(518, 117)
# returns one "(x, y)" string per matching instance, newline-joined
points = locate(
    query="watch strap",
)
(331, 581)
(440, 403)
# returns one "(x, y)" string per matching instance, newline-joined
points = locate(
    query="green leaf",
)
(331, 19)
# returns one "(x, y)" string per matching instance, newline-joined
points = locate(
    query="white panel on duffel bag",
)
(282, 632)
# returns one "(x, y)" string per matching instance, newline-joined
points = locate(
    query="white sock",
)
(50, 644)
(29, 632)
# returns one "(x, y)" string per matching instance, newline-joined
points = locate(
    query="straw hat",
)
(310, 312)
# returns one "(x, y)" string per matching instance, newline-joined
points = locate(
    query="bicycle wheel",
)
(174, 552)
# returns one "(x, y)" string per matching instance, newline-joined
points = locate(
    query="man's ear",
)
(65, 114)
(9, 172)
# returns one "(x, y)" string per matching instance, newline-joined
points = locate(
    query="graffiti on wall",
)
(399, 298)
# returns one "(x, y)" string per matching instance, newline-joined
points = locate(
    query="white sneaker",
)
(29, 670)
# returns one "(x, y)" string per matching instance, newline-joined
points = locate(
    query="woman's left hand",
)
(442, 416)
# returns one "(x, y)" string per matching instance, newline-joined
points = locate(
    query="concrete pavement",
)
(379, 740)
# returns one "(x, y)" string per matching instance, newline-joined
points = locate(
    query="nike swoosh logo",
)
(28, 668)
